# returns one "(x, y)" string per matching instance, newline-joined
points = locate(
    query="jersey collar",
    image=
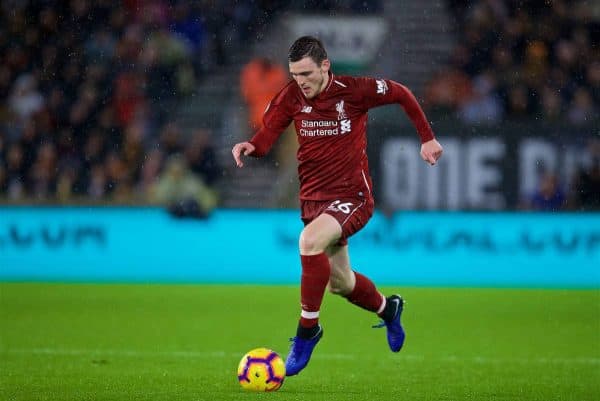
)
(326, 90)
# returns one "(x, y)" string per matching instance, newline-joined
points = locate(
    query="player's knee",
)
(310, 244)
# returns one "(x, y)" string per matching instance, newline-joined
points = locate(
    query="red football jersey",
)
(332, 132)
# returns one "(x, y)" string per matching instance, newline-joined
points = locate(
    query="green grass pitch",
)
(183, 342)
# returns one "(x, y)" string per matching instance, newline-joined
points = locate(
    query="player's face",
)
(310, 77)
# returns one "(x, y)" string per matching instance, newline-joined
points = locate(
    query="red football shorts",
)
(352, 213)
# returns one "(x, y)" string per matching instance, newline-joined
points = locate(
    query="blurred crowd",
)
(581, 194)
(87, 89)
(336, 6)
(521, 58)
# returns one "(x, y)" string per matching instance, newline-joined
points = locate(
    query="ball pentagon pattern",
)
(261, 369)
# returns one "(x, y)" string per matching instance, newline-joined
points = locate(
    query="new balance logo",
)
(381, 86)
(306, 109)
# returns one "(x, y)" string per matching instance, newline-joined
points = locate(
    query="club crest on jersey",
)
(306, 109)
(340, 109)
(382, 87)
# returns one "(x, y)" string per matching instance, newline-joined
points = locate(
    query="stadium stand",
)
(521, 59)
(97, 96)
(89, 90)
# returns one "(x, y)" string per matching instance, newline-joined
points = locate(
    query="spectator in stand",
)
(150, 171)
(260, 80)
(549, 196)
(100, 47)
(133, 149)
(518, 102)
(182, 191)
(201, 158)
(581, 110)
(593, 80)
(450, 88)
(119, 178)
(16, 170)
(170, 139)
(25, 99)
(97, 187)
(128, 96)
(550, 104)
(43, 173)
(188, 25)
(484, 106)
(163, 53)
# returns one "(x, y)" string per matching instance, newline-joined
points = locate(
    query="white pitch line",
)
(113, 352)
(326, 356)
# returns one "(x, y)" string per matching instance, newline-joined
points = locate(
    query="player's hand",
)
(242, 148)
(431, 151)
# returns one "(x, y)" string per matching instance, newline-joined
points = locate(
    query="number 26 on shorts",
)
(342, 207)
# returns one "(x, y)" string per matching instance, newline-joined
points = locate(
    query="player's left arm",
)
(379, 92)
(431, 151)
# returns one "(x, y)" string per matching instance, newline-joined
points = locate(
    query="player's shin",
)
(315, 276)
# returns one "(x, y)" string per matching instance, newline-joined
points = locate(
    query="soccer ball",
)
(261, 370)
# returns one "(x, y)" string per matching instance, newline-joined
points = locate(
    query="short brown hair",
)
(307, 46)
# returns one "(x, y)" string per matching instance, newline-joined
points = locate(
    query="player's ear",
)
(325, 65)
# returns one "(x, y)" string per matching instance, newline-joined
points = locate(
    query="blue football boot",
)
(395, 332)
(300, 353)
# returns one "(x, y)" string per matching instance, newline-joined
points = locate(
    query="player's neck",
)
(324, 84)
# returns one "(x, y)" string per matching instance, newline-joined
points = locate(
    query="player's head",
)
(309, 65)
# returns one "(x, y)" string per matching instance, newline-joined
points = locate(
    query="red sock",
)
(315, 276)
(366, 295)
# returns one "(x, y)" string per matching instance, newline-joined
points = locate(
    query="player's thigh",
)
(352, 214)
(319, 234)
(341, 277)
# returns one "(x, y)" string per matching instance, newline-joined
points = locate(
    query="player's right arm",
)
(239, 149)
(277, 118)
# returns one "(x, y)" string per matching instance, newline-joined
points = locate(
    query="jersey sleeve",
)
(276, 119)
(379, 92)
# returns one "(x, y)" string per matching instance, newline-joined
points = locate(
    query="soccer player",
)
(330, 116)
